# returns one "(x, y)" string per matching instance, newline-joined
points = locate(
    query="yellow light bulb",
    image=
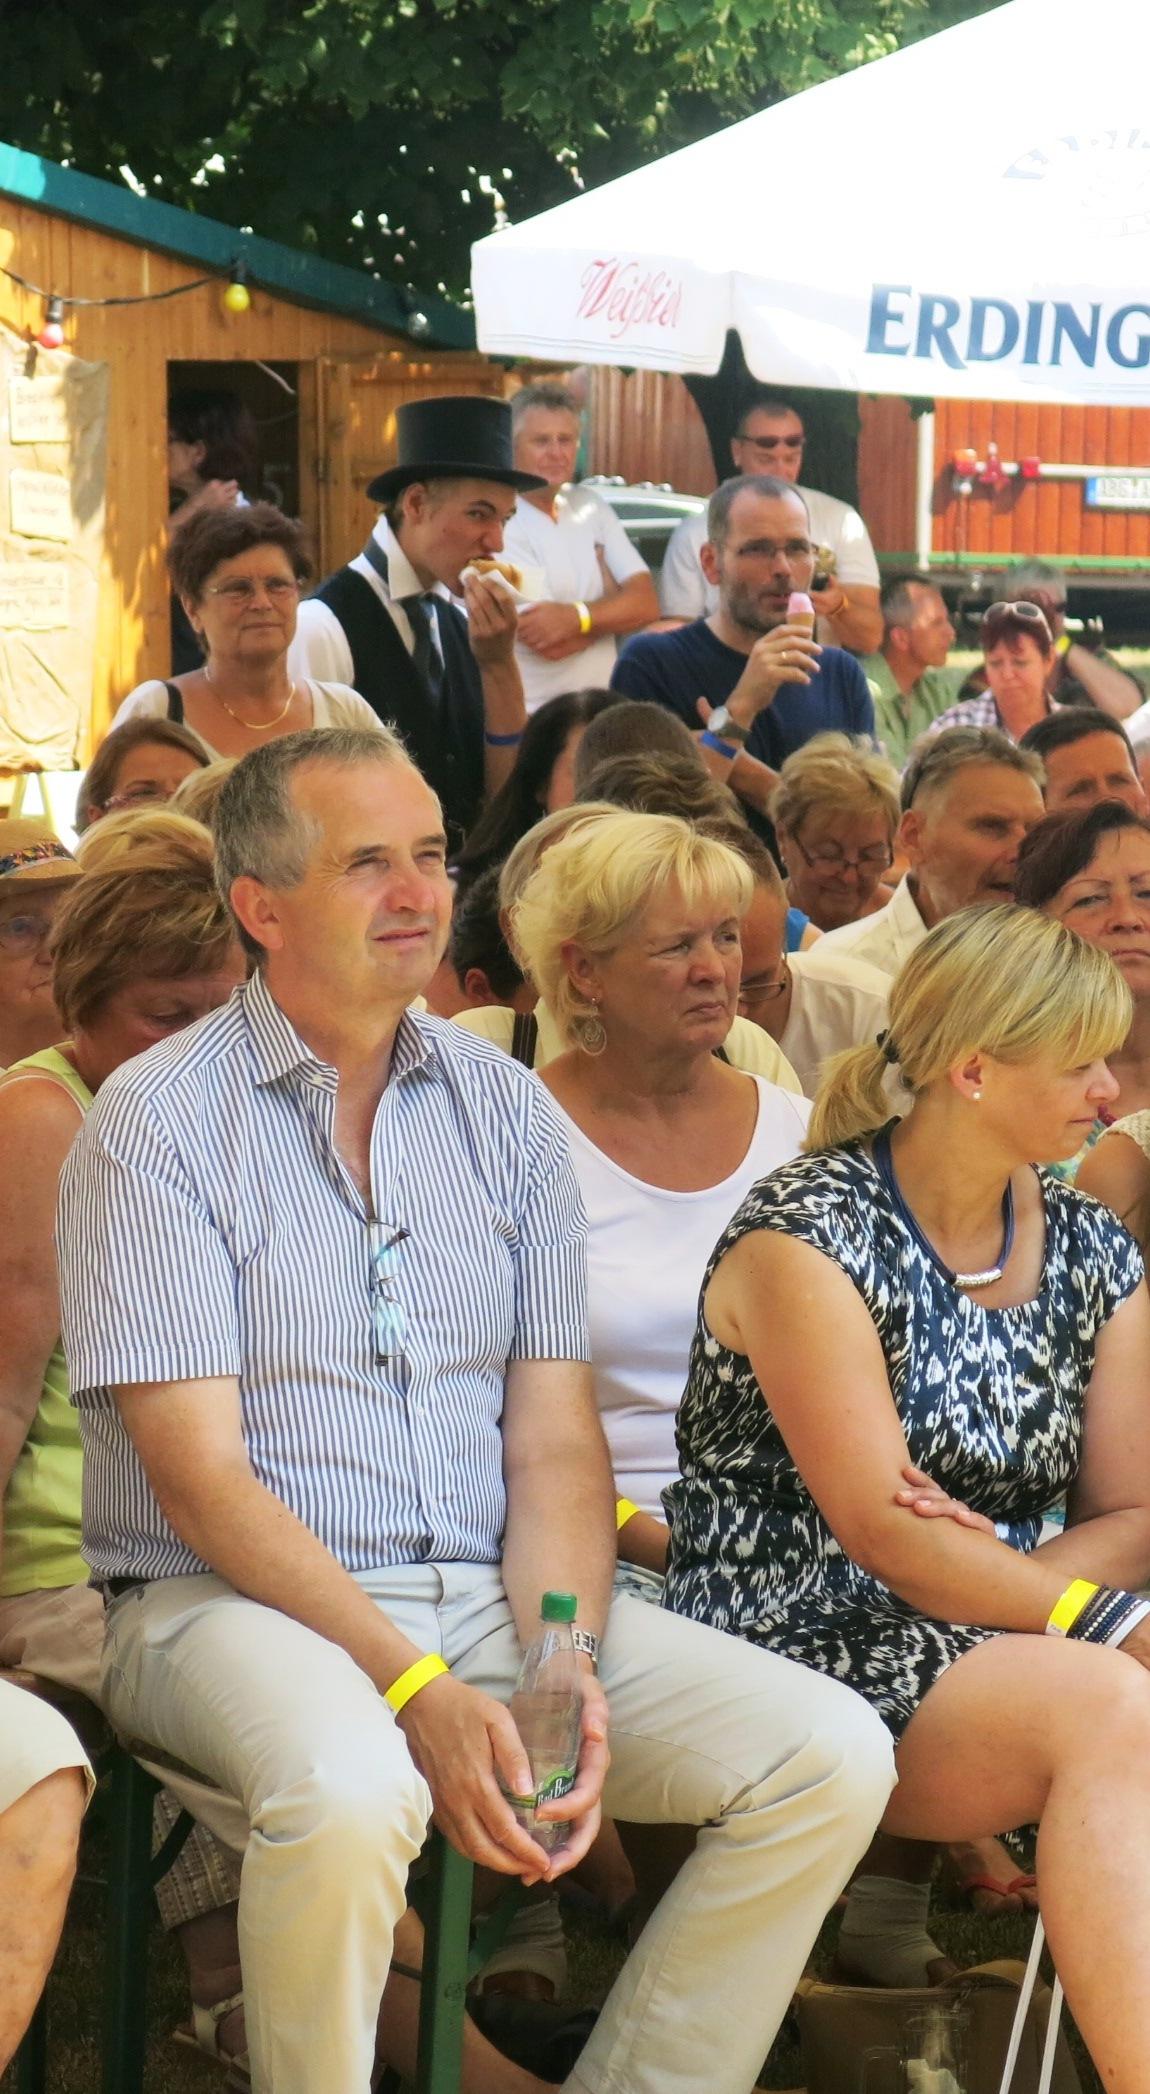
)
(237, 298)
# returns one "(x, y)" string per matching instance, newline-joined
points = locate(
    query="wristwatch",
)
(585, 1641)
(722, 725)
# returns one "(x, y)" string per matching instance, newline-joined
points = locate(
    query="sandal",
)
(988, 1876)
(203, 2035)
(981, 1888)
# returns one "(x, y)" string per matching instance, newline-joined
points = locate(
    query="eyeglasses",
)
(767, 445)
(24, 933)
(765, 990)
(792, 549)
(1029, 612)
(389, 1325)
(829, 858)
(1000, 615)
(239, 594)
(136, 796)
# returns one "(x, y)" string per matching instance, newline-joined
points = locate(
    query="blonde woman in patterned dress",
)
(920, 1291)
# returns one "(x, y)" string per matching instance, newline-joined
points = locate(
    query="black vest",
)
(445, 741)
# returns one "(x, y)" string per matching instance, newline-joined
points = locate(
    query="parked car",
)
(648, 511)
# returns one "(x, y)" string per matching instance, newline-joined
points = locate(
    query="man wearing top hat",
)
(385, 624)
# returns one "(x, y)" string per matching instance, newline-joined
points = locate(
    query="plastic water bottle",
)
(547, 1707)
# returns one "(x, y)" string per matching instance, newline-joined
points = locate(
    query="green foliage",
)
(374, 131)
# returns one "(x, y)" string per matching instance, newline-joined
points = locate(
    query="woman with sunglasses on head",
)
(238, 574)
(1017, 653)
(836, 811)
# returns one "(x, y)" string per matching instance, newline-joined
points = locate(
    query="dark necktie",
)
(425, 654)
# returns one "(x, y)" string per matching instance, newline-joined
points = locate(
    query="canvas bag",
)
(838, 2023)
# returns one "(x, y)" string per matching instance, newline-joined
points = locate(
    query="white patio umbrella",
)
(968, 218)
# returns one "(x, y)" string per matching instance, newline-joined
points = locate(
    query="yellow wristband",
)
(402, 1690)
(1067, 1609)
(583, 615)
(624, 1511)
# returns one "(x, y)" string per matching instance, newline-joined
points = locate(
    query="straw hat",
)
(32, 855)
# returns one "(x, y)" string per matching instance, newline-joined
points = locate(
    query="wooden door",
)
(355, 405)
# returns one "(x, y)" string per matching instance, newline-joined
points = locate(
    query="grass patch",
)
(75, 1988)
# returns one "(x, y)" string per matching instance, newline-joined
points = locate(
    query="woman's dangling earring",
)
(592, 1031)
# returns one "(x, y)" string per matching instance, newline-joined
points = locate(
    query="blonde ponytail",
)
(1002, 981)
(852, 1098)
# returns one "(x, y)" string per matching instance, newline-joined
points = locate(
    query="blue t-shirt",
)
(795, 929)
(677, 669)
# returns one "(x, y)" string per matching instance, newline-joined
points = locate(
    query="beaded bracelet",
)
(1108, 1616)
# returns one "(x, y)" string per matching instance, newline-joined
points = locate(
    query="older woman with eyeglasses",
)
(835, 811)
(35, 874)
(239, 574)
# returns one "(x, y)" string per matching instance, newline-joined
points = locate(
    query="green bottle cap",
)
(559, 1606)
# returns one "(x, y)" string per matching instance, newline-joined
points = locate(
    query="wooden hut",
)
(323, 355)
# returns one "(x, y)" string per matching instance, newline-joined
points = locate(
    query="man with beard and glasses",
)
(760, 682)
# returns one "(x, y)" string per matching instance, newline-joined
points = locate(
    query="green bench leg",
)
(443, 1991)
(129, 1917)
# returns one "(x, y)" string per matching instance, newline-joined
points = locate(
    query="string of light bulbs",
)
(237, 298)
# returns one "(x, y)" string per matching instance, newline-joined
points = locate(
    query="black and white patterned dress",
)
(991, 1402)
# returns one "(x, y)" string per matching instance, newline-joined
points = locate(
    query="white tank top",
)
(647, 1251)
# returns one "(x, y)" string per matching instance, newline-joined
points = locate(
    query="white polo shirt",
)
(685, 592)
(569, 546)
(885, 939)
(837, 1001)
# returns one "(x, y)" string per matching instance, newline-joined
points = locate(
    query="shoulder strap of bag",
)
(175, 703)
(525, 1038)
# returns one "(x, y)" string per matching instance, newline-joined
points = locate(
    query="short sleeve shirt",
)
(677, 669)
(567, 547)
(207, 1227)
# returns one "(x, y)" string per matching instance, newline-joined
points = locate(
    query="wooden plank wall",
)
(139, 342)
(1044, 518)
(886, 474)
(645, 426)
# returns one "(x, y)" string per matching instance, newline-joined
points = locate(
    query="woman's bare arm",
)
(818, 1361)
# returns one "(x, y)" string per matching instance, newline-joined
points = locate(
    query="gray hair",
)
(557, 399)
(935, 759)
(727, 493)
(1018, 582)
(259, 832)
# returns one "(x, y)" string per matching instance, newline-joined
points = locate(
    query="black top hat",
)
(465, 437)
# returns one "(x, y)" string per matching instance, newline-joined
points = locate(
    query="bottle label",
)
(552, 1790)
(560, 1784)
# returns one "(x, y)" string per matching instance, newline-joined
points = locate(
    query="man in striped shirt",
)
(323, 1282)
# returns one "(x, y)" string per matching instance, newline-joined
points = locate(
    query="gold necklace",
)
(253, 726)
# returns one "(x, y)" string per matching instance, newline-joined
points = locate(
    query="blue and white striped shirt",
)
(208, 1226)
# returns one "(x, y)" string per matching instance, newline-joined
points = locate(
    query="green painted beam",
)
(1101, 563)
(330, 286)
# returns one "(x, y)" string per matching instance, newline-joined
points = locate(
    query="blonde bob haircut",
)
(834, 776)
(593, 886)
(521, 862)
(145, 908)
(1002, 981)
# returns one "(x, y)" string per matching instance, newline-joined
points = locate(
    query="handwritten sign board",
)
(40, 505)
(38, 410)
(33, 595)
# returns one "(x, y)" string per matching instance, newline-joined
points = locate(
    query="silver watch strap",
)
(585, 1641)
